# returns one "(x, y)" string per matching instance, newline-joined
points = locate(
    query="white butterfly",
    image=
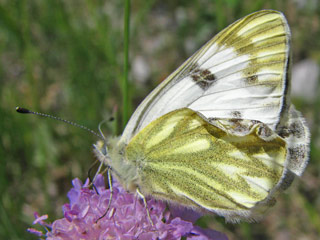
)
(235, 92)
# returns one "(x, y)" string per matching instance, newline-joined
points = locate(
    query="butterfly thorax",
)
(112, 154)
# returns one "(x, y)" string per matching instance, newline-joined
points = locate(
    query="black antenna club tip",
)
(22, 110)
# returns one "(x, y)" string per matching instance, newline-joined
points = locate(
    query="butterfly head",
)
(101, 151)
(112, 154)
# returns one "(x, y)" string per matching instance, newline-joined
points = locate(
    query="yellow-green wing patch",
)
(183, 158)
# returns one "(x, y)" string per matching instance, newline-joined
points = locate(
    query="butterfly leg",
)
(89, 176)
(111, 194)
(98, 171)
(145, 205)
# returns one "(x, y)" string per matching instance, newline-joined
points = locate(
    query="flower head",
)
(126, 219)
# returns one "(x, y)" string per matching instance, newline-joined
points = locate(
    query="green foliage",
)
(67, 58)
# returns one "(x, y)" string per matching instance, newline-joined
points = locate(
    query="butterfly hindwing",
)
(187, 160)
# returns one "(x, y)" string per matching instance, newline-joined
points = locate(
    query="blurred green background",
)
(66, 58)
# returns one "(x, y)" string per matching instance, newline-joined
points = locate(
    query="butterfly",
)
(219, 134)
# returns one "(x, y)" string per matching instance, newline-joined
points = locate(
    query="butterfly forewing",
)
(241, 72)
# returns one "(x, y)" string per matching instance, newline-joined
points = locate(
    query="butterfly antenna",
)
(102, 122)
(99, 128)
(27, 111)
(110, 119)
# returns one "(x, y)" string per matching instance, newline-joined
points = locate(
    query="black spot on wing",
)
(297, 153)
(265, 131)
(252, 79)
(284, 132)
(196, 78)
(212, 119)
(295, 129)
(203, 78)
(236, 114)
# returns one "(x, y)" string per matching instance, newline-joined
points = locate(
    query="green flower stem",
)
(124, 86)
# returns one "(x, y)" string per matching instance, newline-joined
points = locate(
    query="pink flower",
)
(126, 219)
